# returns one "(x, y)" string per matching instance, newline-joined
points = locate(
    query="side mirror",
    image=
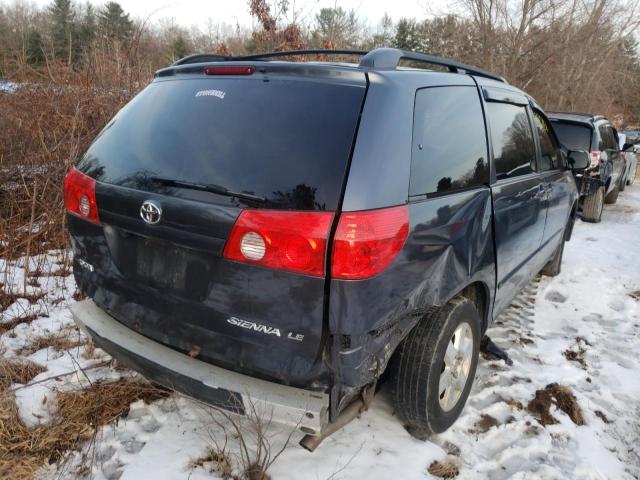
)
(627, 147)
(579, 159)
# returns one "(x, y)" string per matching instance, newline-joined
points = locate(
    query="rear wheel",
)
(612, 197)
(592, 206)
(631, 177)
(433, 370)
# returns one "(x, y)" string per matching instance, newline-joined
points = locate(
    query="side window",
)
(608, 140)
(514, 149)
(549, 152)
(449, 150)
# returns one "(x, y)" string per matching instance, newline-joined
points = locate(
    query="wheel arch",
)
(478, 292)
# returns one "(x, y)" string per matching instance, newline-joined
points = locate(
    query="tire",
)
(623, 184)
(554, 265)
(592, 206)
(419, 362)
(612, 197)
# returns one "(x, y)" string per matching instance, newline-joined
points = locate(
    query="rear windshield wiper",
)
(206, 187)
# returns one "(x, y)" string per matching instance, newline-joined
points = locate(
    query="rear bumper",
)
(298, 408)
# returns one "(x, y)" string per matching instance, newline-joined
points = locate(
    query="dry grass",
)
(485, 423)
(446, 469)
(18, 371)
(215, 461)
(14, 322)
(60, 342)
(23, 451)
(560, 396)
(43, 131)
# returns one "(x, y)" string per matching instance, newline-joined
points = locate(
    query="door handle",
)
(541, 193)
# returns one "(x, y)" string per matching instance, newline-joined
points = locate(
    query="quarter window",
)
(514, 149)
(449, 150)
(549, 156)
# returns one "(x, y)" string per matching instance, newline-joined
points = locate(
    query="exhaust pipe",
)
(311, 442)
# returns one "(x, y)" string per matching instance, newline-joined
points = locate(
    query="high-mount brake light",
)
(80, 195)
(366, 242)
(230, 70)
(283, 240)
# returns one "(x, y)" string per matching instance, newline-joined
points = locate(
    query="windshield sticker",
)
(211, 93)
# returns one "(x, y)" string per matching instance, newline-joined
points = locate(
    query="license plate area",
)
(161, 265)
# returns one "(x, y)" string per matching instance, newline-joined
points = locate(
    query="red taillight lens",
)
(366, 242)
(230, 70)
(293, 241)
(80, 195)
(595, 156)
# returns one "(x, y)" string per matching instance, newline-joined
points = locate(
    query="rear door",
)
(558, 184)
(615, 162)
(518, 192)
(279, 140)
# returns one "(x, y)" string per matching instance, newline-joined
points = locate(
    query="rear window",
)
(287, 140)
(572, 136)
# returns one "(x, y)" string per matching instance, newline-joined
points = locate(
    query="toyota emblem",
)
(150, 212)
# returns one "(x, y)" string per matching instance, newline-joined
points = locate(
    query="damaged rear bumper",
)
(301, 409)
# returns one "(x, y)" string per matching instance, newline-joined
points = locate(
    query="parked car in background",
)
(633, 136)
(229, 250)
(628, 152)
(600, 182)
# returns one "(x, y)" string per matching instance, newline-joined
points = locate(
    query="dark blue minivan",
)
(267, 234)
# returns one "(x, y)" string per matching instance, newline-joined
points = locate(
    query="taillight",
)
(80, 195)
(230, 70)
(366, 242)
(595, 156)
(284, 240)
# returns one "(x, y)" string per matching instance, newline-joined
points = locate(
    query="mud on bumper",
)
(297, 408)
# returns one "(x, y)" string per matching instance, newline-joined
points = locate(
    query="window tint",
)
(572, 136)
(287, 140)
(514, 149)
(449, 149)
(549, 153)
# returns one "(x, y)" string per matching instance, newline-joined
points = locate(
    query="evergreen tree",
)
(384, 36)
(114, 22)
(337, 28)
(88, 28)
(62, 29)
(35, 48)
(408, 35)
(179, 47)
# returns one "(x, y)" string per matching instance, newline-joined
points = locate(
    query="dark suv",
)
(272, 233)
(602, 180)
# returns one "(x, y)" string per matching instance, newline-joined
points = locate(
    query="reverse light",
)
(80, 195)
(230, 70)
(283, 240)
(366, 242)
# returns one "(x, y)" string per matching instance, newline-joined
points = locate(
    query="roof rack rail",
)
(289, 53)
(378, 59)
(389, 59)
(201, 57)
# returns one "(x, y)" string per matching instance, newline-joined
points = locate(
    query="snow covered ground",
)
(580, 329)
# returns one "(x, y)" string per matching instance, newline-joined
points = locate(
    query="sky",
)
(196, 12)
